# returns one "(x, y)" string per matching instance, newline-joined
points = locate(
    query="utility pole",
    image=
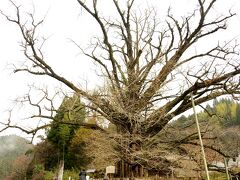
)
(226, 168)
(200, 138)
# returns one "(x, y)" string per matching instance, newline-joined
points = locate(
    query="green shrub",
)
(38, 168)
(72, 173)
(48, 175)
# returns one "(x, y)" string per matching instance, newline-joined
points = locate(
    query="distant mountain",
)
(11, 147)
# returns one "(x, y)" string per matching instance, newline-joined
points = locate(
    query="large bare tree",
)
(150, 69)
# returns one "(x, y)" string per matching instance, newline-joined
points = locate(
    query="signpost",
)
(110, 170)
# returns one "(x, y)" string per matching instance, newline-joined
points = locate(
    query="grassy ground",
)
(48, 175)
(218, 176)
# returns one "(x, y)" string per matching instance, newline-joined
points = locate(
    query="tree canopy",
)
(150, 72)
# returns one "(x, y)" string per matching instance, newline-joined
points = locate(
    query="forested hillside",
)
(219, 122)
(12, 155)
(223, 113)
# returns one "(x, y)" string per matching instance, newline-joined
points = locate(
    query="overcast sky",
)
(65, 20)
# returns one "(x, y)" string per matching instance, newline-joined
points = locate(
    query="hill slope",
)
(11, 147)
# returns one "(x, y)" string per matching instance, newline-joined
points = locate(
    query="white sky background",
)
(66, 20)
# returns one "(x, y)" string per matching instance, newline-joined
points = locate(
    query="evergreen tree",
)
(62, 130)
